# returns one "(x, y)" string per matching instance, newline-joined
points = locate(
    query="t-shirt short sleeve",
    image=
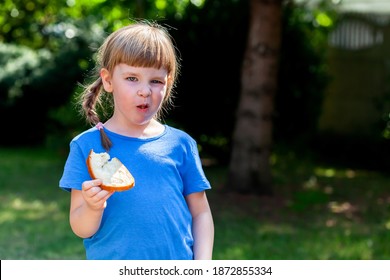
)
(75, 170)
(194, 178)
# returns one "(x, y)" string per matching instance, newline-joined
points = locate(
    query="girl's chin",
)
(143, 121)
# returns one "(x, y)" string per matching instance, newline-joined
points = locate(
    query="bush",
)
(36, 82)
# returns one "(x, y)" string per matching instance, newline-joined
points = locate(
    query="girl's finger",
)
(90, 184)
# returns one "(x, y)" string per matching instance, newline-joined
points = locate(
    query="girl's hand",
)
(94, 196)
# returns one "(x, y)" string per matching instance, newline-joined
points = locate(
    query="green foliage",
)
(33, 81)
(33, 23)
(18, 69)
(303, 75)
(47, 51)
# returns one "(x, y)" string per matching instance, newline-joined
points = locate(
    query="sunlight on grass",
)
(30, 210)
(329, 172)
(35, 229)
(235, 252)
(34, 212)
(339, 246)
(332, 172)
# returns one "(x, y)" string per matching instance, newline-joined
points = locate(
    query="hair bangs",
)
(149, 49)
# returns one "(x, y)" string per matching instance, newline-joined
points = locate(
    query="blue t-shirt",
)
(151, 220)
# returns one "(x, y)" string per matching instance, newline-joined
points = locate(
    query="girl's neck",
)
(148, 130)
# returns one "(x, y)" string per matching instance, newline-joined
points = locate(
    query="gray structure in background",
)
(356, 101)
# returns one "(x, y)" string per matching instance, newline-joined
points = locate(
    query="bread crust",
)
(108, 187)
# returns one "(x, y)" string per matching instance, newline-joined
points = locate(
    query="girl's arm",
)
(202, 225)
(86, 208)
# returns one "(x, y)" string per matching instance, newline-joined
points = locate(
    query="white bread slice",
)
(115, 176)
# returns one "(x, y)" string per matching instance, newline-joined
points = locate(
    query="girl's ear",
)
(106, 79)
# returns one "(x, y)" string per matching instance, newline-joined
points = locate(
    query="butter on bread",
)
(115, 176)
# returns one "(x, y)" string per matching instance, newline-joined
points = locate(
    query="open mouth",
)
(143, 106)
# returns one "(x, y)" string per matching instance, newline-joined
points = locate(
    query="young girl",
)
(166, 215)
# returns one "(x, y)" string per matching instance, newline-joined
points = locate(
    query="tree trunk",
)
(250, 169)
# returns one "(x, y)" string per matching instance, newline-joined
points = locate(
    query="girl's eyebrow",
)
(133, 73)
(127, 73)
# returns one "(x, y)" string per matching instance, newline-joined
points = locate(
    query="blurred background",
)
(322, 147)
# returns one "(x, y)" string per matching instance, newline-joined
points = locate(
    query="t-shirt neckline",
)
(148, 139)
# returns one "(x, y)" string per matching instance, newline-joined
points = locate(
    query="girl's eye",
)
(157, 82)
(131, 79)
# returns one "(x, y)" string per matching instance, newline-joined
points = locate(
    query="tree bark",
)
(250, 169)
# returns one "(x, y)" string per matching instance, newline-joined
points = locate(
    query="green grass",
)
(317, 212)
(33, 210)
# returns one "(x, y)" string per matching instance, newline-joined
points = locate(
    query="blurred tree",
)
(249, 169)
(282, 83)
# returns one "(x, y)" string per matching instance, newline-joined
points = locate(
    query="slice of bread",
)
(115, 176)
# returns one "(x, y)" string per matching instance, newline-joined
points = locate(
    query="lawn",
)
(317, 212)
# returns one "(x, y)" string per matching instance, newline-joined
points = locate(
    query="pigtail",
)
(90, 98)
(106, 142)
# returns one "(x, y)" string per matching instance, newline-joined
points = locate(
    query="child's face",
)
(138, 92)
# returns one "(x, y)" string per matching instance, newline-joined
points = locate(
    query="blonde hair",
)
(141, 44)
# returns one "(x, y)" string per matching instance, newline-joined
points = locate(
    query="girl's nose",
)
(146, 92)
